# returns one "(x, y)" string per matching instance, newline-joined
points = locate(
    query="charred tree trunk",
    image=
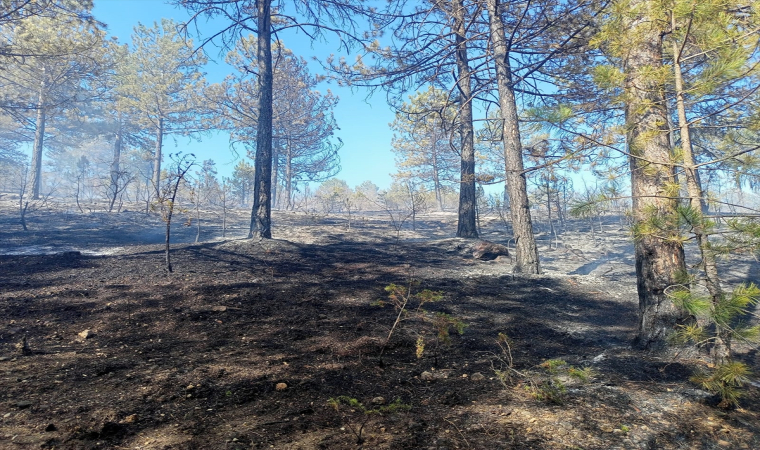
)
(467, 226)
(261, 214)
(526, 250)
(158, 156)
(39, 139)
(658, 261)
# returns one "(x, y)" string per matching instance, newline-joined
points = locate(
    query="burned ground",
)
(244, 345)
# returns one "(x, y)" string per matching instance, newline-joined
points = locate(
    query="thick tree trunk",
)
(467, 226)
(39, 139)
(261, 215)
(526, 250)
(658, 261)
(158, 156)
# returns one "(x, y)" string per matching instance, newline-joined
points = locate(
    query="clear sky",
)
(363, 122)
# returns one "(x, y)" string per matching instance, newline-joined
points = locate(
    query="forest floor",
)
(245, 344)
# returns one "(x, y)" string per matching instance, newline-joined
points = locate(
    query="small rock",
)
(132, 418)
(190, 387)
(23, 404)
(723, 443)
(607, 428)
(6, 415)
(427, 376)
(477, 376)
(281, 386)
(4, 358)
(378, 400)
(51, 427)
(86, 334)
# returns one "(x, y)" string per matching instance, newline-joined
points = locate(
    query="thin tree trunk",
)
(261, 214)
(198, 216)
(549, 212)
(224, 208)
(658, 261)
(467, 227)
(697, 203)
(289, 176)
(275, 174)
(39, 139)
(158, 156)
(526, 250)
(115, 168)
(436, 176)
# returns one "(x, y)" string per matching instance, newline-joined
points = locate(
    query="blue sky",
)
(366, 154)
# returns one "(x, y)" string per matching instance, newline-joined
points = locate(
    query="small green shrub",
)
(550, 391)
(409, 307)
(357, 408)
(553, 389)
(552, 365)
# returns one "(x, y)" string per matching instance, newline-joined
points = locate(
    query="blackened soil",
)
(245, 344)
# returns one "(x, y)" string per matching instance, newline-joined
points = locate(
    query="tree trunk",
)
(436, 176)
(658, 261)
(721, 351)
(467, 227)
(39, 139)
(115, 175)
(158, 156)
(289, 176)
(526, 251)
(275, 173)
(261, 214)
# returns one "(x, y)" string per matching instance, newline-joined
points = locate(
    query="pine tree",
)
(434, 47)
(319, 16)
(55, 58)
(633, 40)
(303, 125)
(422, 142)
(163, 82)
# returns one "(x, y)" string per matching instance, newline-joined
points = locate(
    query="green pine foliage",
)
(409, 307)
(722, 321)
